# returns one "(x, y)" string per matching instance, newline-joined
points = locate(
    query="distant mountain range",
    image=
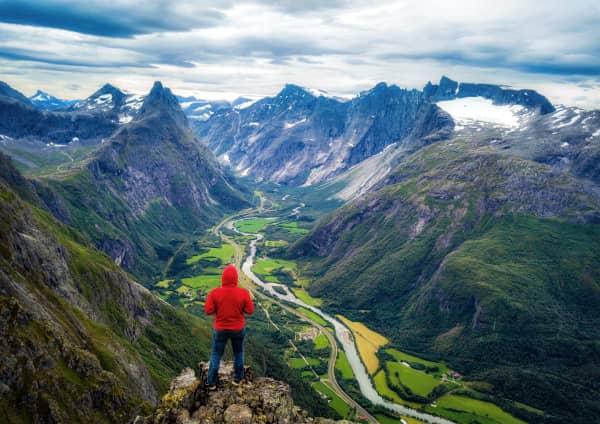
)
(139, 165)
(305, 137)
(43, 100)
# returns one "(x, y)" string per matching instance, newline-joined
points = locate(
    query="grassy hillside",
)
(488, 261)
(75, 329)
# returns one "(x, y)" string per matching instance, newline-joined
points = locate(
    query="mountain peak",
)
(162, 100)
(293, 90)
(108, 88)
(7, 91)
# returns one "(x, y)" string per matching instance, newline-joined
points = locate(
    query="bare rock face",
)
(261, 400)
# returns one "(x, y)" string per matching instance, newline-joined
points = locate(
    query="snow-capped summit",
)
(43, 100)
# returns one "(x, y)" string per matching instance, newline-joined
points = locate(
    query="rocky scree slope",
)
(485, 259)
(151, 183)
(74, 328)
(260, 400)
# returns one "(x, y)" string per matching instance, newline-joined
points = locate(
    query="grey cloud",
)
(107, 18)
(32, 56)
(295, 6)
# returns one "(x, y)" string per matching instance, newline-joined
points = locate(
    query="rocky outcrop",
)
(448, 89)
(254, 400)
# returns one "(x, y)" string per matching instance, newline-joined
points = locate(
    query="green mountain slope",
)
(489, 261)
(76, 330)
(151, 186)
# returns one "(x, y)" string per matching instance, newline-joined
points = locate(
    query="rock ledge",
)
(262, 400)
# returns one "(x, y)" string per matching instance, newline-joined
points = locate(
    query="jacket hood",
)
(229, 277)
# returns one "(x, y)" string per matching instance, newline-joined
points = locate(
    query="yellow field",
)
(368, 342)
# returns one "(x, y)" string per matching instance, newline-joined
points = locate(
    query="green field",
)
(223, 253)
(343, 366)
(276, 243)
(384, 390)
(252, 225)
(206, 282)
(303, 295)
(466, 410)
(402, 356)
(292, 227)
(164, 284)
(183, 290)
(267, 266)
(299, 362)
(336, 402)
(321, 342)
(384, 419)
(316, 318)
(419, 382)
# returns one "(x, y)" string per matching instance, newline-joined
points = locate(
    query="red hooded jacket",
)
(229, 301)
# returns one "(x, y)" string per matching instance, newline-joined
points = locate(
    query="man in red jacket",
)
(229, 302)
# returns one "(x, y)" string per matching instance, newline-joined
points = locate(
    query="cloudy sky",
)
(226, 48)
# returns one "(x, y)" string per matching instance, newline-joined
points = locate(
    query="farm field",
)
(321, 342)
(164, 284)
(419, 382)
(253, 225)
(271, 270)
(303, 295)
(293, 228)
(466, 410)
(224, 253)
(368, 342)
(276, 243)
(205, 282)
(343, 366)
(316, 318)
(384, 390)
(384, 419)
(336, 402)
(402, 356)
(299, 362)
(267, 266)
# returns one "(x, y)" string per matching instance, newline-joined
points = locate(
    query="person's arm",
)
(209, 306)
(249, 306)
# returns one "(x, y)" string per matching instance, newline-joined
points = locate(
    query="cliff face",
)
(448, 89)
(260, 400)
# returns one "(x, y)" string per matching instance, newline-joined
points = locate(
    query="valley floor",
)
(430, 389)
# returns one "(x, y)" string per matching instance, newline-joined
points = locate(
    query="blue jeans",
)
(220, 338)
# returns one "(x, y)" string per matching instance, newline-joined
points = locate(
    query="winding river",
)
(344, 337)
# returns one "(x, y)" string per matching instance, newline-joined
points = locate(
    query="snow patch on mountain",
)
(245, 105)
(478, 109)
(289, 125)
